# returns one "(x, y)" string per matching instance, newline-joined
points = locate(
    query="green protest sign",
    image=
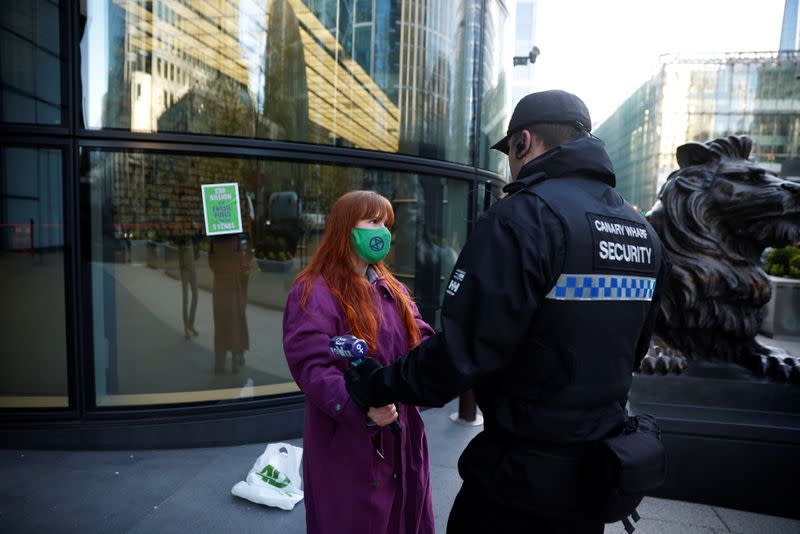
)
(221, 209)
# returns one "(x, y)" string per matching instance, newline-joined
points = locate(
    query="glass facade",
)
(33, 319)
(699, 100)
(168, 300)
(296, 102)
(496, 52)
(394, 76)
(30, 62)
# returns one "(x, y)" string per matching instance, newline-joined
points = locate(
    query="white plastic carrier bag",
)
(274, 479)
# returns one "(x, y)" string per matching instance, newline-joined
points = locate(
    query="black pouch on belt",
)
(626, 466)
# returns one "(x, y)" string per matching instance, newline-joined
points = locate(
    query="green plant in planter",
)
(794, 266)
(783, 262)
(273, 248)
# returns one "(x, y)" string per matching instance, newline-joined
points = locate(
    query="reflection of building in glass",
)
(496, 57)
(30, 80)
(216, 56)
(161, 50)
(342, 97)
(394, 76)
(699, 99)
(416, 53)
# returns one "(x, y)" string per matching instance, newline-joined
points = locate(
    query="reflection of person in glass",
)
(188, 252)
(229, 257)
(358, 478)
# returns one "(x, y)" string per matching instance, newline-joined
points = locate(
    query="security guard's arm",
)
(497, 285)
(662, 285)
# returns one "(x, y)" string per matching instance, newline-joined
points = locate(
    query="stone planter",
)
(274, 266)
(782, 316)
(155, 254)
(139, 250)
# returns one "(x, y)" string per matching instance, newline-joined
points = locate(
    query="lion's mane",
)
(714, 305)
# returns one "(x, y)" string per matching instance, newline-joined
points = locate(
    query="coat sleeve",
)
(662, 286)
(497, 285)
(425, 330)
(306, 339)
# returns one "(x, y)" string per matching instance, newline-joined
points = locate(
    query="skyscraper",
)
(790, 32)
(699, 99)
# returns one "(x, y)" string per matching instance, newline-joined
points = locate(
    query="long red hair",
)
(335, 258)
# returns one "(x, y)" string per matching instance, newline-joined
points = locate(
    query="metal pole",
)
(467, 406)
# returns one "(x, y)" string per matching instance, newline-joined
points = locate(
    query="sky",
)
(603, 50)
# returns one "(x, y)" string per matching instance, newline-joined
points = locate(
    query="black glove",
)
(365, 384)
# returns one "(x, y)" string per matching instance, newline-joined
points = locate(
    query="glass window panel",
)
(30, 62)
(362, 45)
(170, 303)
(32, 318)
(363, 10)
(317, 71)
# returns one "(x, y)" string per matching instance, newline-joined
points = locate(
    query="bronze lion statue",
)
(715, 215)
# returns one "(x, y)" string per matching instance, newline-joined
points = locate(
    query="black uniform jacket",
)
(496, 319)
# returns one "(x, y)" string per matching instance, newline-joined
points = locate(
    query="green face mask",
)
(371, 244)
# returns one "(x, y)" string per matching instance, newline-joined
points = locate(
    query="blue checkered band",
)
(602, 287)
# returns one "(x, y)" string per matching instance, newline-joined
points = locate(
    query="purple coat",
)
(348, 487)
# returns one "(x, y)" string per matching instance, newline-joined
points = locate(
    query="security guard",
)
(548, 311)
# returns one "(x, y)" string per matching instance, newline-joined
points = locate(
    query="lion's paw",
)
(774, 363)
(662, 361)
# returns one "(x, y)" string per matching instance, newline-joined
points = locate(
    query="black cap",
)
(555, 106)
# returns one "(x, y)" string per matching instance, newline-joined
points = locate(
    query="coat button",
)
(395, 476)
(337, 408)
(375, 484)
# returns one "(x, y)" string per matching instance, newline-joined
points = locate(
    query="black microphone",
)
(354, 349)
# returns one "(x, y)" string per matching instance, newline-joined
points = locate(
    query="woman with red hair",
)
(358, 478)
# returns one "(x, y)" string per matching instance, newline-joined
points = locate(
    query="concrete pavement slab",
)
(684, 513)
(188, 490)
(746, 522)
(446, 440)
(654, 526)
(205, 503)
(445, 484)
(91, 491)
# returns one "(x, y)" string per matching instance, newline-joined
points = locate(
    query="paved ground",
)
(188, 490)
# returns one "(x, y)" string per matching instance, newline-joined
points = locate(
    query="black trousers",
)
(474, 512)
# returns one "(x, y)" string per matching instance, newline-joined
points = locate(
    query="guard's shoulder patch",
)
(455, 281)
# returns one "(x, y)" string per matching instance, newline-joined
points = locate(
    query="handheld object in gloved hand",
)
(354, 349)
(349, 347)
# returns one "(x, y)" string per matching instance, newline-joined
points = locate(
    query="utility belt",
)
(603, 480)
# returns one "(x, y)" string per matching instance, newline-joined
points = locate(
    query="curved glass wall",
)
(394, 76)
(423, 78)
(170, 302)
